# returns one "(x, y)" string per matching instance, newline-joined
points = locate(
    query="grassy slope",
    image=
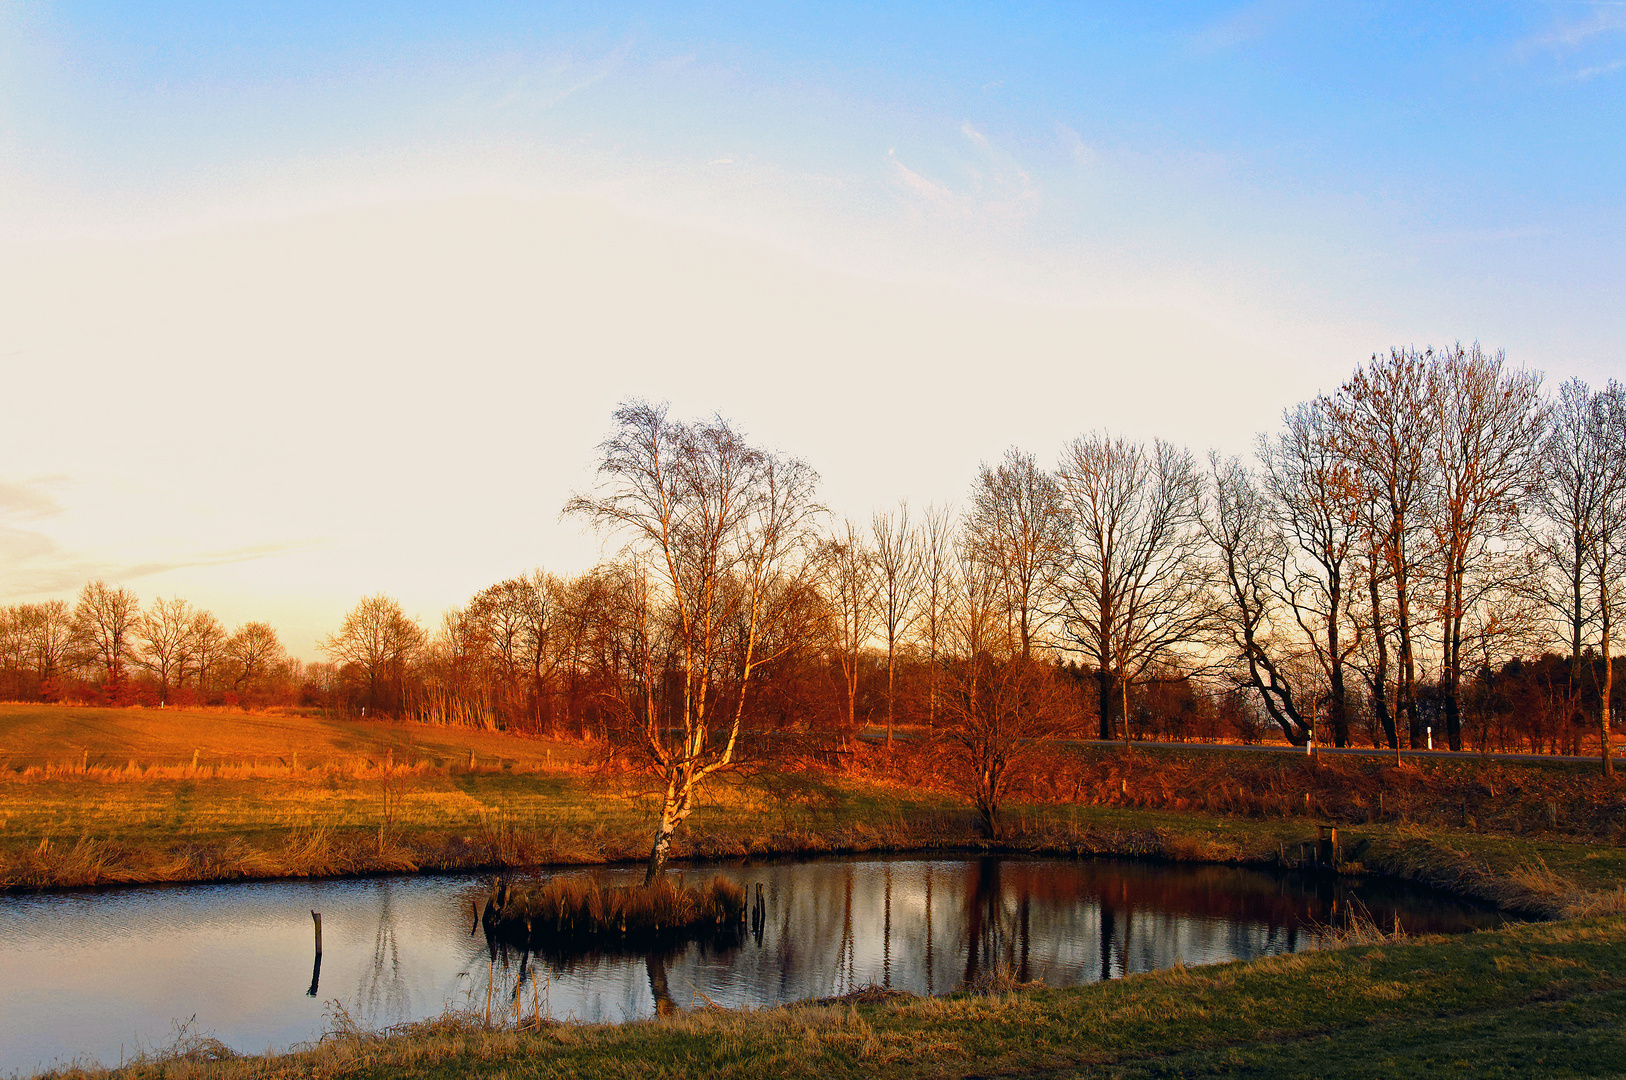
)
(40, 735)
(252, 810)
(1538, 1000)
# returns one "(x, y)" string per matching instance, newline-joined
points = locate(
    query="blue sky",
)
(1029, 208)
(1460, 164)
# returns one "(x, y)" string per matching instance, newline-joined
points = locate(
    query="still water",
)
(96, 975)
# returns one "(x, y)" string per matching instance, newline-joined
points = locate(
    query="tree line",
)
(1432, 550)
(104, 649)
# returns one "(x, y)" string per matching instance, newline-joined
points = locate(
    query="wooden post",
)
(1327, 852)
(316, 964)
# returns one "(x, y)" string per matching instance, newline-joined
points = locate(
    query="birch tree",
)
(718, 523)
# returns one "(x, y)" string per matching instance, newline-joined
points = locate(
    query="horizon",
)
(307, 305)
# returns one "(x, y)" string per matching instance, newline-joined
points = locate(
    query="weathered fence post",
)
(316, 964)
(1327, 847)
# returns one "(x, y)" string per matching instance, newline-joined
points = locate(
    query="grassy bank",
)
(1536, 1000)
(109, 796)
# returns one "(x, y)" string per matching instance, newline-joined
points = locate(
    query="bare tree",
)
(1135, 587)
(1252, 560)
(511, 624)
(379, 638)
(899, 561)
(165, 632)
(719, 521)
(47, 630)
(1584, 455)
(105, 623)
(254, 650)
(1020, 528)
(1388, 431)
(851, 590)
(203, 651)
(1314, 500)
(937, 544)
(1488, 421)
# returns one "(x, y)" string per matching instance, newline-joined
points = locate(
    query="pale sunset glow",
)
(327, 301)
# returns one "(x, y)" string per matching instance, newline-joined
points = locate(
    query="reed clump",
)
(570, 910)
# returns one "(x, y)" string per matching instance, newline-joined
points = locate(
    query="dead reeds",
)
(568, 911)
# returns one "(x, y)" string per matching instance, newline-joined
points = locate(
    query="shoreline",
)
(1402, 854)
(1532, 999)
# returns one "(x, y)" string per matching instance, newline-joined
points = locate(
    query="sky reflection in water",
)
(97, 974)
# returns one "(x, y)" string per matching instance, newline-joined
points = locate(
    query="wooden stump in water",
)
(316, 964)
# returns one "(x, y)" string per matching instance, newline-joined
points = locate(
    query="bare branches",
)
(1020, 528)
(1252, 558)
(899, 567)
(717, 522)
(1135, 588)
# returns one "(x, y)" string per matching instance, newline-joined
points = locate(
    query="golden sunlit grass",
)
(347, 797)
(60, 740)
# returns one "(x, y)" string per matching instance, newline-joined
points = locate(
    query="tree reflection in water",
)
(827, 928)
(384, 993)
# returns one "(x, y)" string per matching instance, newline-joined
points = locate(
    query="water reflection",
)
(88, 973)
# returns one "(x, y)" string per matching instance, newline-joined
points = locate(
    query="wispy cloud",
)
(1570, 36)
(30, 499)
(1487, 236)
(993, 185)
(546, 82)
(1082, 153)
(1588, 74)
(930, 193)
(40, 566)
(1241, 25)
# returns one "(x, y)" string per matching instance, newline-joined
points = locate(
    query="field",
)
(96, 796)
(104, 796)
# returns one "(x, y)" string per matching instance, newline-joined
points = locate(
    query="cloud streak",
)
(997, 186)
(70, 573)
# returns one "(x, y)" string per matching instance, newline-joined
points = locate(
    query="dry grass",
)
(1558, 800)
(378, 797)
(57, 742)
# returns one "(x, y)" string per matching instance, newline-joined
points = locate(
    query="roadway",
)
(879, 735)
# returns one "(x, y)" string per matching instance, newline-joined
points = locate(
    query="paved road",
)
(879, 734)
(1366, 751)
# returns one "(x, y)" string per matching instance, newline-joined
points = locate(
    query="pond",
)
(97, 975)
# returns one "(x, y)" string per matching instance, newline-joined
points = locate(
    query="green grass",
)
(1537, 1000)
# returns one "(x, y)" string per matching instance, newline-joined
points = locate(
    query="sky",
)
(304, 302)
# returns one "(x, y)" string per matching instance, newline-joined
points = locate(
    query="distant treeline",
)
(1434, 548)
